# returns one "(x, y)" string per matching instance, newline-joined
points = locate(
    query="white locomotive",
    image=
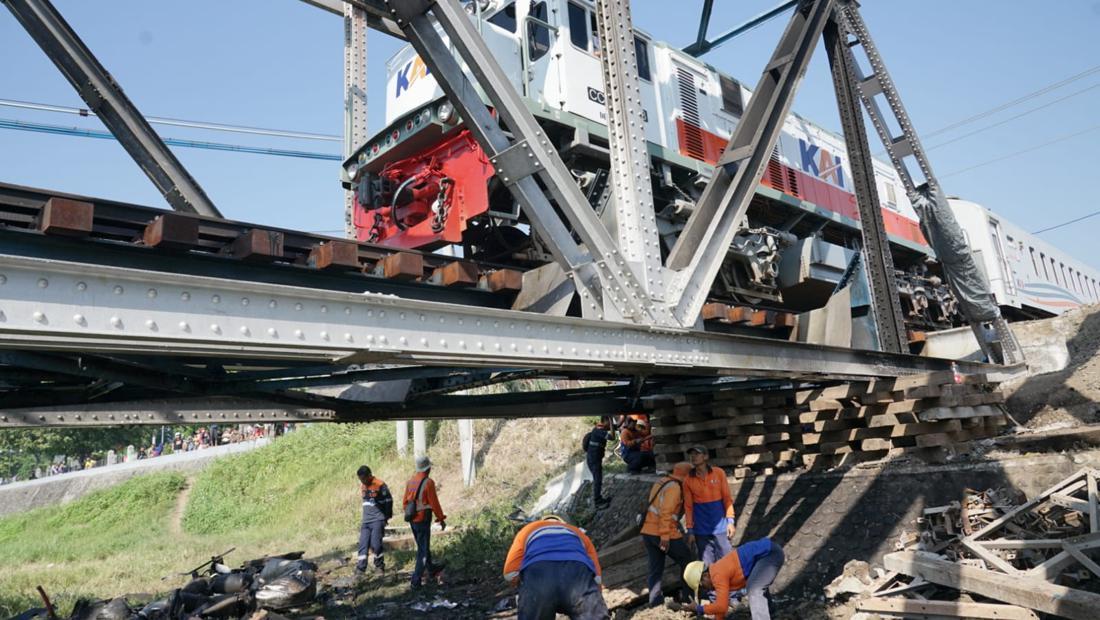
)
(423, 182)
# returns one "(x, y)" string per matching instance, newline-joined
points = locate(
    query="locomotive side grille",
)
(689, 104)
(775, 171)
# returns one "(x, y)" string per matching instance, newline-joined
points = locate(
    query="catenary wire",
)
(197, 144)
(178, 122)
(1015, 102)
(1012, 118)
(1021, 151)
(1067, 223)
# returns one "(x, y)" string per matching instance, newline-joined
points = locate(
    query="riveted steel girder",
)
(63, 306)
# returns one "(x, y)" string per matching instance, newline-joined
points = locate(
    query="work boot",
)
(602, 502)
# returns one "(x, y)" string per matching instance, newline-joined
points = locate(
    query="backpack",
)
(584, 442)
(640, 517)
(410, 508)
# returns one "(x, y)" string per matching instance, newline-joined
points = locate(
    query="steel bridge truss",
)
(94, 344)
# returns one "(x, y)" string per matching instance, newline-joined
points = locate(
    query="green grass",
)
(298, 494)
(98, 526)
(264, 488)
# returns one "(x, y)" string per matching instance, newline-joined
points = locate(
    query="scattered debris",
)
(992, 555)
(439, 603)
(254, 591)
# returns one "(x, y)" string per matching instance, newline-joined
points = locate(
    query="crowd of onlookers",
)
(204, 437)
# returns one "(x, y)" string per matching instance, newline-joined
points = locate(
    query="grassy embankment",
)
(298, 494)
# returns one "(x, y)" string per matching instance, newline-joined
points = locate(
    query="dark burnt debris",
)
(258, 589)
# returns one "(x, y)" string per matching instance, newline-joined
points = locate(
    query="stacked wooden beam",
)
(761, 430)
(742, 430)
(891, 417)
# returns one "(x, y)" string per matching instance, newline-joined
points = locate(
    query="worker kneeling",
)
(557, 570)
(752, 566)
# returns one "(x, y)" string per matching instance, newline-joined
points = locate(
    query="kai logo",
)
(409, 74)
(821, 163)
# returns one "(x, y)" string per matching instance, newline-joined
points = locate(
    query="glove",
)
(442, 525)
(731, 529)
(674, 606)
(663, 546)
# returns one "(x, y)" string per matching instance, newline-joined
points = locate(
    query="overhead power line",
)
(1063, 224)
(178, 122)
(1022, 151)
(1015, 102)
(195, 144)
(1012, 118)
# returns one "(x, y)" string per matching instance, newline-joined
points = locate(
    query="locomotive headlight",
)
(353, 170)
(446, 113)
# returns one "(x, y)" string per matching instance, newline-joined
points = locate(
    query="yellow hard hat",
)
(553, 518)
(692, 575)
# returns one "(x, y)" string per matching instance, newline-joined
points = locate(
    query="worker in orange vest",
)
(557, 570)
(661, 533)
(636, 445)
(751, 567)
(420, 503)
(708, 508)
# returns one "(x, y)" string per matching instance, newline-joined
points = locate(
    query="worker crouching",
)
(752, 567)
(557, 570)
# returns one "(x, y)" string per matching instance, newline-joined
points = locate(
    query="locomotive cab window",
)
(641, 50)
(505, 18)
(578, 26)
(731, 95)
(538, 35)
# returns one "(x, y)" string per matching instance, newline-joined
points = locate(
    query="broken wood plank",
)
(958, 609)
(1094, 504)
(990, 557)
(1082, 558)
(1065, 501)
(1030, 593)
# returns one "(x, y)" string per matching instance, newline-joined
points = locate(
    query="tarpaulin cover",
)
(967, 281)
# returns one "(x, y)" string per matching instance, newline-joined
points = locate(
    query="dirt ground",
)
(1069, 397)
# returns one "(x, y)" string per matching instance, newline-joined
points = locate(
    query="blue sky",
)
(278, 63)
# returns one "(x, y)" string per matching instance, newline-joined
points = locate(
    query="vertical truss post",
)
(705, 240)
(936, 217)
(632, 220)
(355, 96)
(608, 286)
(878, 261)
(105, 97)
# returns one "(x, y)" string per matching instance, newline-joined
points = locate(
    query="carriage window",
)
(538, 35)
(578, 26)
(891, 196)
(505, 18)
(731, 97)
(641, 50)
(1034, 265)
